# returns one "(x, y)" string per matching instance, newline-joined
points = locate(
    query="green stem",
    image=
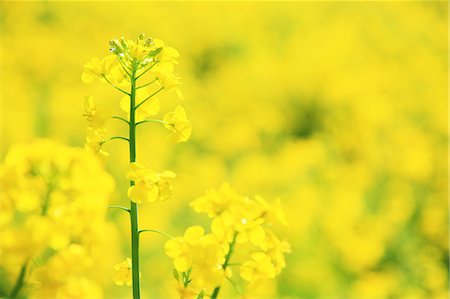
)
(19, 283)
(225, 264)
(133, 205)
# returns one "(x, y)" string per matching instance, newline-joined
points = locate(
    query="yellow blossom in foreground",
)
(148, 185)
(55, 232)
(64, 276)
(199, 255)
(259, 267)
(178, 123)
(123, 275)
(276, 250)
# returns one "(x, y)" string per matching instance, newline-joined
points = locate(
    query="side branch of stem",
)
(153, 121)
(113, 138)
(118, 88)
(125, 68)
(122, 119)
(149, 68)
(156, 231)
(149, 97)
(119, 207)
(147, 84)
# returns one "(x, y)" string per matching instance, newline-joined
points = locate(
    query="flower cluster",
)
(128, 63)
(198, 257)
(236, 221)
(54, 200)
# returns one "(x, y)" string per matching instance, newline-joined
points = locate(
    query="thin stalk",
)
(156, 231)
(133, 205)
(125, 68)
(122, 119)
(19, 282)
(153, 121)
(114, 138)
(118, 88)
(150, 96)
(119, 207)
(147, 84)
(149, 68)
(225, 264)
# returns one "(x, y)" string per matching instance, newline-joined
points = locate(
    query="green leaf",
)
(176, 275)
(201, 294)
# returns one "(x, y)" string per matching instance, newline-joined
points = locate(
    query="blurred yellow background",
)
(338, 108)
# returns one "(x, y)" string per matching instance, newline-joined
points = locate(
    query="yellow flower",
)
(64, 275)
(178, 123)
(271, 213)
(93, 117)
(94, 139)
(123, 275)
(148, 185)
(97, 68)
(259, 267)
(215, 202)
(168, 80)
(276, 249)
(167, 55)
(250, 230)
(137, 50)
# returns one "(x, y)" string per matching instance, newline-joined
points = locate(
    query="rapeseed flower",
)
(258, 267)
(149, 186)
(123, 273)
(98, 68)
(178, 124)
